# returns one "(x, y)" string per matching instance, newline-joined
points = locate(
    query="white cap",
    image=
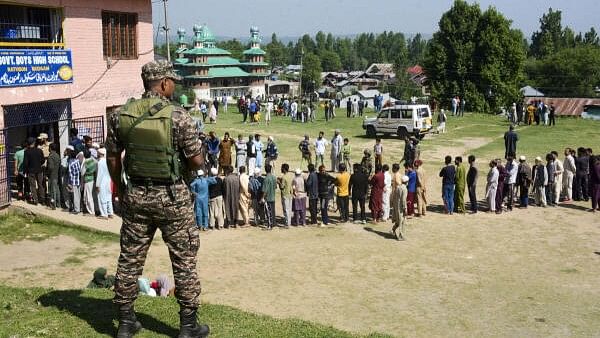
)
(522, 158)
(70, 147)
(405, 179)
(200, 172)
(538, 159)
(256, 171)
(214, 171)
(271, 138)
(95, 145)
(298, 171)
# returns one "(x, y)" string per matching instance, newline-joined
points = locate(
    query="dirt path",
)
(526, 273)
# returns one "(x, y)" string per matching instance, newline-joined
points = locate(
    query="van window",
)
(384, 114)
(396, 114)
(423, 113)
(407, 113)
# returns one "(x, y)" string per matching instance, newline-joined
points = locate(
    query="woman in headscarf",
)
(101, 280)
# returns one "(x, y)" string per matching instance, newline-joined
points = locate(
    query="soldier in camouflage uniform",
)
(150, 203)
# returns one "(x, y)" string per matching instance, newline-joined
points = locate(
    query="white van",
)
(402, 120)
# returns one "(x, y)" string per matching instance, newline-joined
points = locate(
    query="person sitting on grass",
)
(101, 280)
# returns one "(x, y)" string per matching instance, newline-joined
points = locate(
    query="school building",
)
(67, 63)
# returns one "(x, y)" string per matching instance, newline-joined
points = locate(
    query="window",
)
(423, 113)
(30, 27)
(384, 114)
(407, 113)
(395, 114)
(119, 35)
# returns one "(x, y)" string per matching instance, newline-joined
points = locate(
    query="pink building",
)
(67, 63)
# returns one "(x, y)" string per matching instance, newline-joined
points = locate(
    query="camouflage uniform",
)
(147, 207)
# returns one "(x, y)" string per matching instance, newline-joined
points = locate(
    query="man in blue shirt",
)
(252, 109)
(448, 175)
(213, 143)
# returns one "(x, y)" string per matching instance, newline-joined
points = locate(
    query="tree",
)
(449, 56)
(573, 72)
(234, 46)
(549, 39)
(591, 38)
(416, 49)
(498, 62)
(330, 61)
(477, 56)
(162, 50)
(276, 52)
(321, 41)
(311, 72)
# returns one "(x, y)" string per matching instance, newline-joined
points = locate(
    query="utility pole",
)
(166, 29)
(301, 69)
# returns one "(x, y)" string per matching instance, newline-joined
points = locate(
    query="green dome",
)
(254, 34)
(203, 34)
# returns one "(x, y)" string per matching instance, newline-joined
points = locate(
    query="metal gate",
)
(4, 171)
(90, 126)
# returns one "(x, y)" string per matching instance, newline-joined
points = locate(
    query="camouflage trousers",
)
(144, 210)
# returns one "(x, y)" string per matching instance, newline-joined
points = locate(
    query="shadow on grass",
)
(574, 206)
(383, 234)
(436, 208)
(99, 313)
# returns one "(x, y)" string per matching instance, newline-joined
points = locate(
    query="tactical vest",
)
(146, 131)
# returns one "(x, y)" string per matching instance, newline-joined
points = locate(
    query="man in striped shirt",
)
(75, 181)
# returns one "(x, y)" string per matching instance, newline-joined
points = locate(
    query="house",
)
(381, 71)
(293, 69)
(529, 91)
(282, 88)
(330, 79)
(418, 77)
(368, 94)
(67, 63)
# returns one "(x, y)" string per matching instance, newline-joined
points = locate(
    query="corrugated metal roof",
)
(566, 106)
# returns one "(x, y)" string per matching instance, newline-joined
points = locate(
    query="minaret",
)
(255, 44)
(181, 38)
(182, 44)
(255, 64)
(198, 37)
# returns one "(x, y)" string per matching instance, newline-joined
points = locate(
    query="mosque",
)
(212, 72)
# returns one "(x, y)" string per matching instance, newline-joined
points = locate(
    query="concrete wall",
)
(95, 86)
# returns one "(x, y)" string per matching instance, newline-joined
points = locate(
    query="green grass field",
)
(39, 312)
(16, 226)
(461, 278)
(533, 140)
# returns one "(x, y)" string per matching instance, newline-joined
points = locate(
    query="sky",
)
(233, 18)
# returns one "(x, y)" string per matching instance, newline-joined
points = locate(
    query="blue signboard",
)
(26, 67)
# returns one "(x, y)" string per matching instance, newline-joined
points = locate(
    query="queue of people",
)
(513, 182)
(229, 187)
(76, 180)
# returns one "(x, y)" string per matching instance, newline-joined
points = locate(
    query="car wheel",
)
(402, 132)
(371, 131)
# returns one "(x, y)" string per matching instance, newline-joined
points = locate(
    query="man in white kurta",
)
(337, 142)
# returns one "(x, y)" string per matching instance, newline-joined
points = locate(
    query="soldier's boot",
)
(128, 324)
(189, 327)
